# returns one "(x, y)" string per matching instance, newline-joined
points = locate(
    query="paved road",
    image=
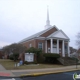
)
(30, 71)
(60, 76)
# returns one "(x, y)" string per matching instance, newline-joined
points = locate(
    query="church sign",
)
(29, 57)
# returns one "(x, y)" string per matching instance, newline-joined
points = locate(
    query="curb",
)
(45, 73)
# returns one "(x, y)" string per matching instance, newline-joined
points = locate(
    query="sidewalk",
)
(44, 71)
(2, 68)
(36, 72)
(4, 72)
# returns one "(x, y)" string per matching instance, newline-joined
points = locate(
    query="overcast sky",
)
(22, 18)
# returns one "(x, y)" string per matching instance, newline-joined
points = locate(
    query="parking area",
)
(59, 76)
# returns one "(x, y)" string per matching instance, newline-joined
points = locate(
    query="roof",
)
(37, 34)
(58, 34)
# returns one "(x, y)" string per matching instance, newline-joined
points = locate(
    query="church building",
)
(50, 40)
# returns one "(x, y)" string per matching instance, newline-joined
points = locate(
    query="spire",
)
(47, 21)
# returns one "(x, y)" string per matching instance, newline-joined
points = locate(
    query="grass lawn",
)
(9, 65)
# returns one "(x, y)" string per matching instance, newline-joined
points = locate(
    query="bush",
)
(11, 57)
(51, 58)
(36, 51)
(51, 55)
(25, 62)
(14, 56)
(33, 50)
(41, 58)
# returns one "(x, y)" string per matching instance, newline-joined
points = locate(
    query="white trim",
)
(52, 35)
(58, 46)
(51, 45)
(63, 51)
(64, 34)
(46, 46)
(58, 38)
(37, 34)
(68, 50)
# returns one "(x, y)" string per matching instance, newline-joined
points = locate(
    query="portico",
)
(58, 43)
(57, 46)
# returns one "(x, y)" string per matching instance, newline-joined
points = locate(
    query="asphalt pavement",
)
(60, 76)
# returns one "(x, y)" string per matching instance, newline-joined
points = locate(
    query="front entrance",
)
(54, 50)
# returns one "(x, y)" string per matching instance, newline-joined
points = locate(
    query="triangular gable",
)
(59, 34)
(48, 31)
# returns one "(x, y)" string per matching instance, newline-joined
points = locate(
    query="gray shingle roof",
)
(36, 35)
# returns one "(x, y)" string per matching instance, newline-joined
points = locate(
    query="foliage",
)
(34, 50)
(41, 58)
(14, 48)
(14, 56)
(75, 59)
(11, 57)
(55, 55)
(51, 58)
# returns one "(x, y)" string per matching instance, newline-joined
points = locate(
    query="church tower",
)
(47, 21)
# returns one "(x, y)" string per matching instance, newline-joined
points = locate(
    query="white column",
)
(46, 46)
(51, 45)
(58, 46)
(68, 50)
(63, 49)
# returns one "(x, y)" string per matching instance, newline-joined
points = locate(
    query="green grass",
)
(9, 65)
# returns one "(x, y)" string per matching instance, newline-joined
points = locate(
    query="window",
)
(30, 45)
(40, 45)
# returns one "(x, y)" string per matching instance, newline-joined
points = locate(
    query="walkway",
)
(4, 72)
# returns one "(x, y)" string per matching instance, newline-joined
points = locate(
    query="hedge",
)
(55, 55)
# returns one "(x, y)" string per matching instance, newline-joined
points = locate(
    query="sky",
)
(22, 18)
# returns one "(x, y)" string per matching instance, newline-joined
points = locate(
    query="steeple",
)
(47, 21)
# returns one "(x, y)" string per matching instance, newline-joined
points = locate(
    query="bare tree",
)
(14, 48)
